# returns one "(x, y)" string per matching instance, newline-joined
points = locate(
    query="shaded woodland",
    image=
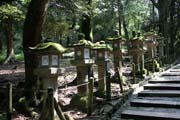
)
(26, 23)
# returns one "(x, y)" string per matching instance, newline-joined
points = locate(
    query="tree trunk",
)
(86, 27)
(1, 46)
(31, 36)
(120, 7)
(9, 37)
(172, 27)
(86, 23)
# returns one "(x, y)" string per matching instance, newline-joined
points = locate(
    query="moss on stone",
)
(115, 38)
(102, 45)
(84, 43)
(46, 45)
(157, 65)
(79, 102)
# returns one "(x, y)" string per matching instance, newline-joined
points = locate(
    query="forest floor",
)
(15, 74)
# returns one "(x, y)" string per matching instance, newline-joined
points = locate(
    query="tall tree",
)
(9, 13)
(9, 37)
(86, 25)
(31, 36)
(120, 8)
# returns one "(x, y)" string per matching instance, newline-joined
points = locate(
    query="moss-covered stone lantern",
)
(137, 52)
(102, 51)
(152, 44)
(48, 71)
(82, 62)
(49, 55)
(161, 46)
(117, 43)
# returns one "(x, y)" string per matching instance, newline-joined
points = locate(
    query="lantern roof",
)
(46, 45)
(138, 38)
(151, 33)
(85, 43)
(116, 38)
(102, 45)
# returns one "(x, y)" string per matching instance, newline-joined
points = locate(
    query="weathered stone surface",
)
(162, 86)
(159, 93)
(155, 103)
(146, 115)
(165, 81)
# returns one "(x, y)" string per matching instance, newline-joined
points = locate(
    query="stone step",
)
(171, 74)
(174, 70)
(162, 86)
(165, 81)
(159, 93)
(155, 103)
(149, 115)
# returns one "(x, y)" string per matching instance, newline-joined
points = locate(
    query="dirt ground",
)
(15, 74)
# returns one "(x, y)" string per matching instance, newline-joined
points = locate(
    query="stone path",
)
(158, 100)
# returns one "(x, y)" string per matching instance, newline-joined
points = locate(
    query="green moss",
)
(115, 38)
(84, 43)
(79, 102)
(151, 33)
(157, 65)
(42, 46)
(102, 45)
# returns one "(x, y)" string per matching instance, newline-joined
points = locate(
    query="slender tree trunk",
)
(86, 23)
(1, 46)
(31, 36)
(153, 13)
(119, 15)
(172, 27)
(9, 36)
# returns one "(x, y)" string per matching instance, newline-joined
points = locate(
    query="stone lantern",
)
(49, 55)
(83, 62)
(48, 71)
(137, 51)
(151, 44)
(102, 51)
(161, 46)
(117, 51)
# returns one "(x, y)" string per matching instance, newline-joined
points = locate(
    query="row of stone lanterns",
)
(140, 45)
(49, 55)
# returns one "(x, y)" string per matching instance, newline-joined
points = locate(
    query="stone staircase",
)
(160, 99)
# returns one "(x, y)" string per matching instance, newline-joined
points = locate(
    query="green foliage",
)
(137, 13)
(2, 57)
(20, 57)
(102, 45)
(3, 117)
(8, 10)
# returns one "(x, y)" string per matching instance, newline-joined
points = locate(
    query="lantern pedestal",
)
(102, 74)
(49, 79)
(80, 100)
(82, 74)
